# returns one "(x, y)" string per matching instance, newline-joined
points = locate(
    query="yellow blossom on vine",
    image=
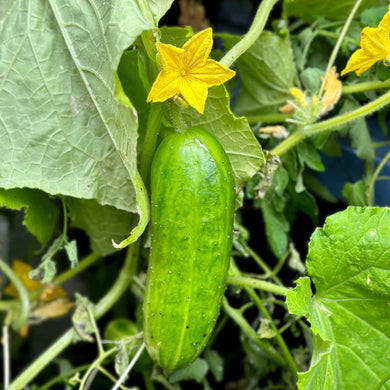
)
(374, 46)
(188, 72)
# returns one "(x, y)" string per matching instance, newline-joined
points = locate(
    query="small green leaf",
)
(276, 228)
(195, 371)
(215, 362)
(356, 193)
(121, 358)
(45, 272)
(40, 213)
(71, 251)
(348, 262)
(82, 322)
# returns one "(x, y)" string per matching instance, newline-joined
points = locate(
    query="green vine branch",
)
(375, 177)
(329, 124)
(119, 287)
(250, 37)
(20, 312)
(245, 281)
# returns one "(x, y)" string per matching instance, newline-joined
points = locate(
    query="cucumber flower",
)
(188, 72)
(374, 46)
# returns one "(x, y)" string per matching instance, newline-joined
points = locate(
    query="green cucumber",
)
(193, 199)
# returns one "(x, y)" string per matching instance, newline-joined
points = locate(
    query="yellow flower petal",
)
(195, 93)
(166, 86)
(199, 47)
(213, 73)
(171, 57)
(375, 46)
(187, 72)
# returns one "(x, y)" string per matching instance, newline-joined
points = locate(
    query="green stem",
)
(250, 37)
(279, 338)
(61, 378)
(366, 86)
(258, 284)
(95, 365)
(150, 141)
(236, 316)
(329, 124)
(268, 272)
(370, 192)
(339, 42)
(268, 118)
(119, 287)
(23, 309)
(86, 262)
(328, 34)
(149, 385)
(175, 111)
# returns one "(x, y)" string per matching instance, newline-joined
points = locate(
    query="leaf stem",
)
(6, 357)
(245, 281)
(23, 310)
(320, 127)
(279, 338)
(366, 86)
(236, 316)
(250, 37)
(86, 262)
(119, 287)
(150, 141)
(339, 42)
(370, 191)
(268, 272)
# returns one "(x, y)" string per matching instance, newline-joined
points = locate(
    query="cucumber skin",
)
(193, 200)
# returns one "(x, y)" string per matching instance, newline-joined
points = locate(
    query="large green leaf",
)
(311, 10)
(349, 263)
(62, 129)
(102, 223)
(234, 134)
(267, 72)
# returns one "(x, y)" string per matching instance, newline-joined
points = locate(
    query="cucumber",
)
(193, 199)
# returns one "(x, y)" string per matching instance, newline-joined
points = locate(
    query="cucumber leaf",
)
(348, 262)
(102, 223)
(267, 72)
(62, 129)
(310, 10)
(234, 134)
(41, 214)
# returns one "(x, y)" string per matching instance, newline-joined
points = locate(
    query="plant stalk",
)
(119, 287)
(20, 315)
(320, 127)
(258, 284)
(250, 37)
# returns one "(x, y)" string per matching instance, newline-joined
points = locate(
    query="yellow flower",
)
(188, 72)
(375, 46)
